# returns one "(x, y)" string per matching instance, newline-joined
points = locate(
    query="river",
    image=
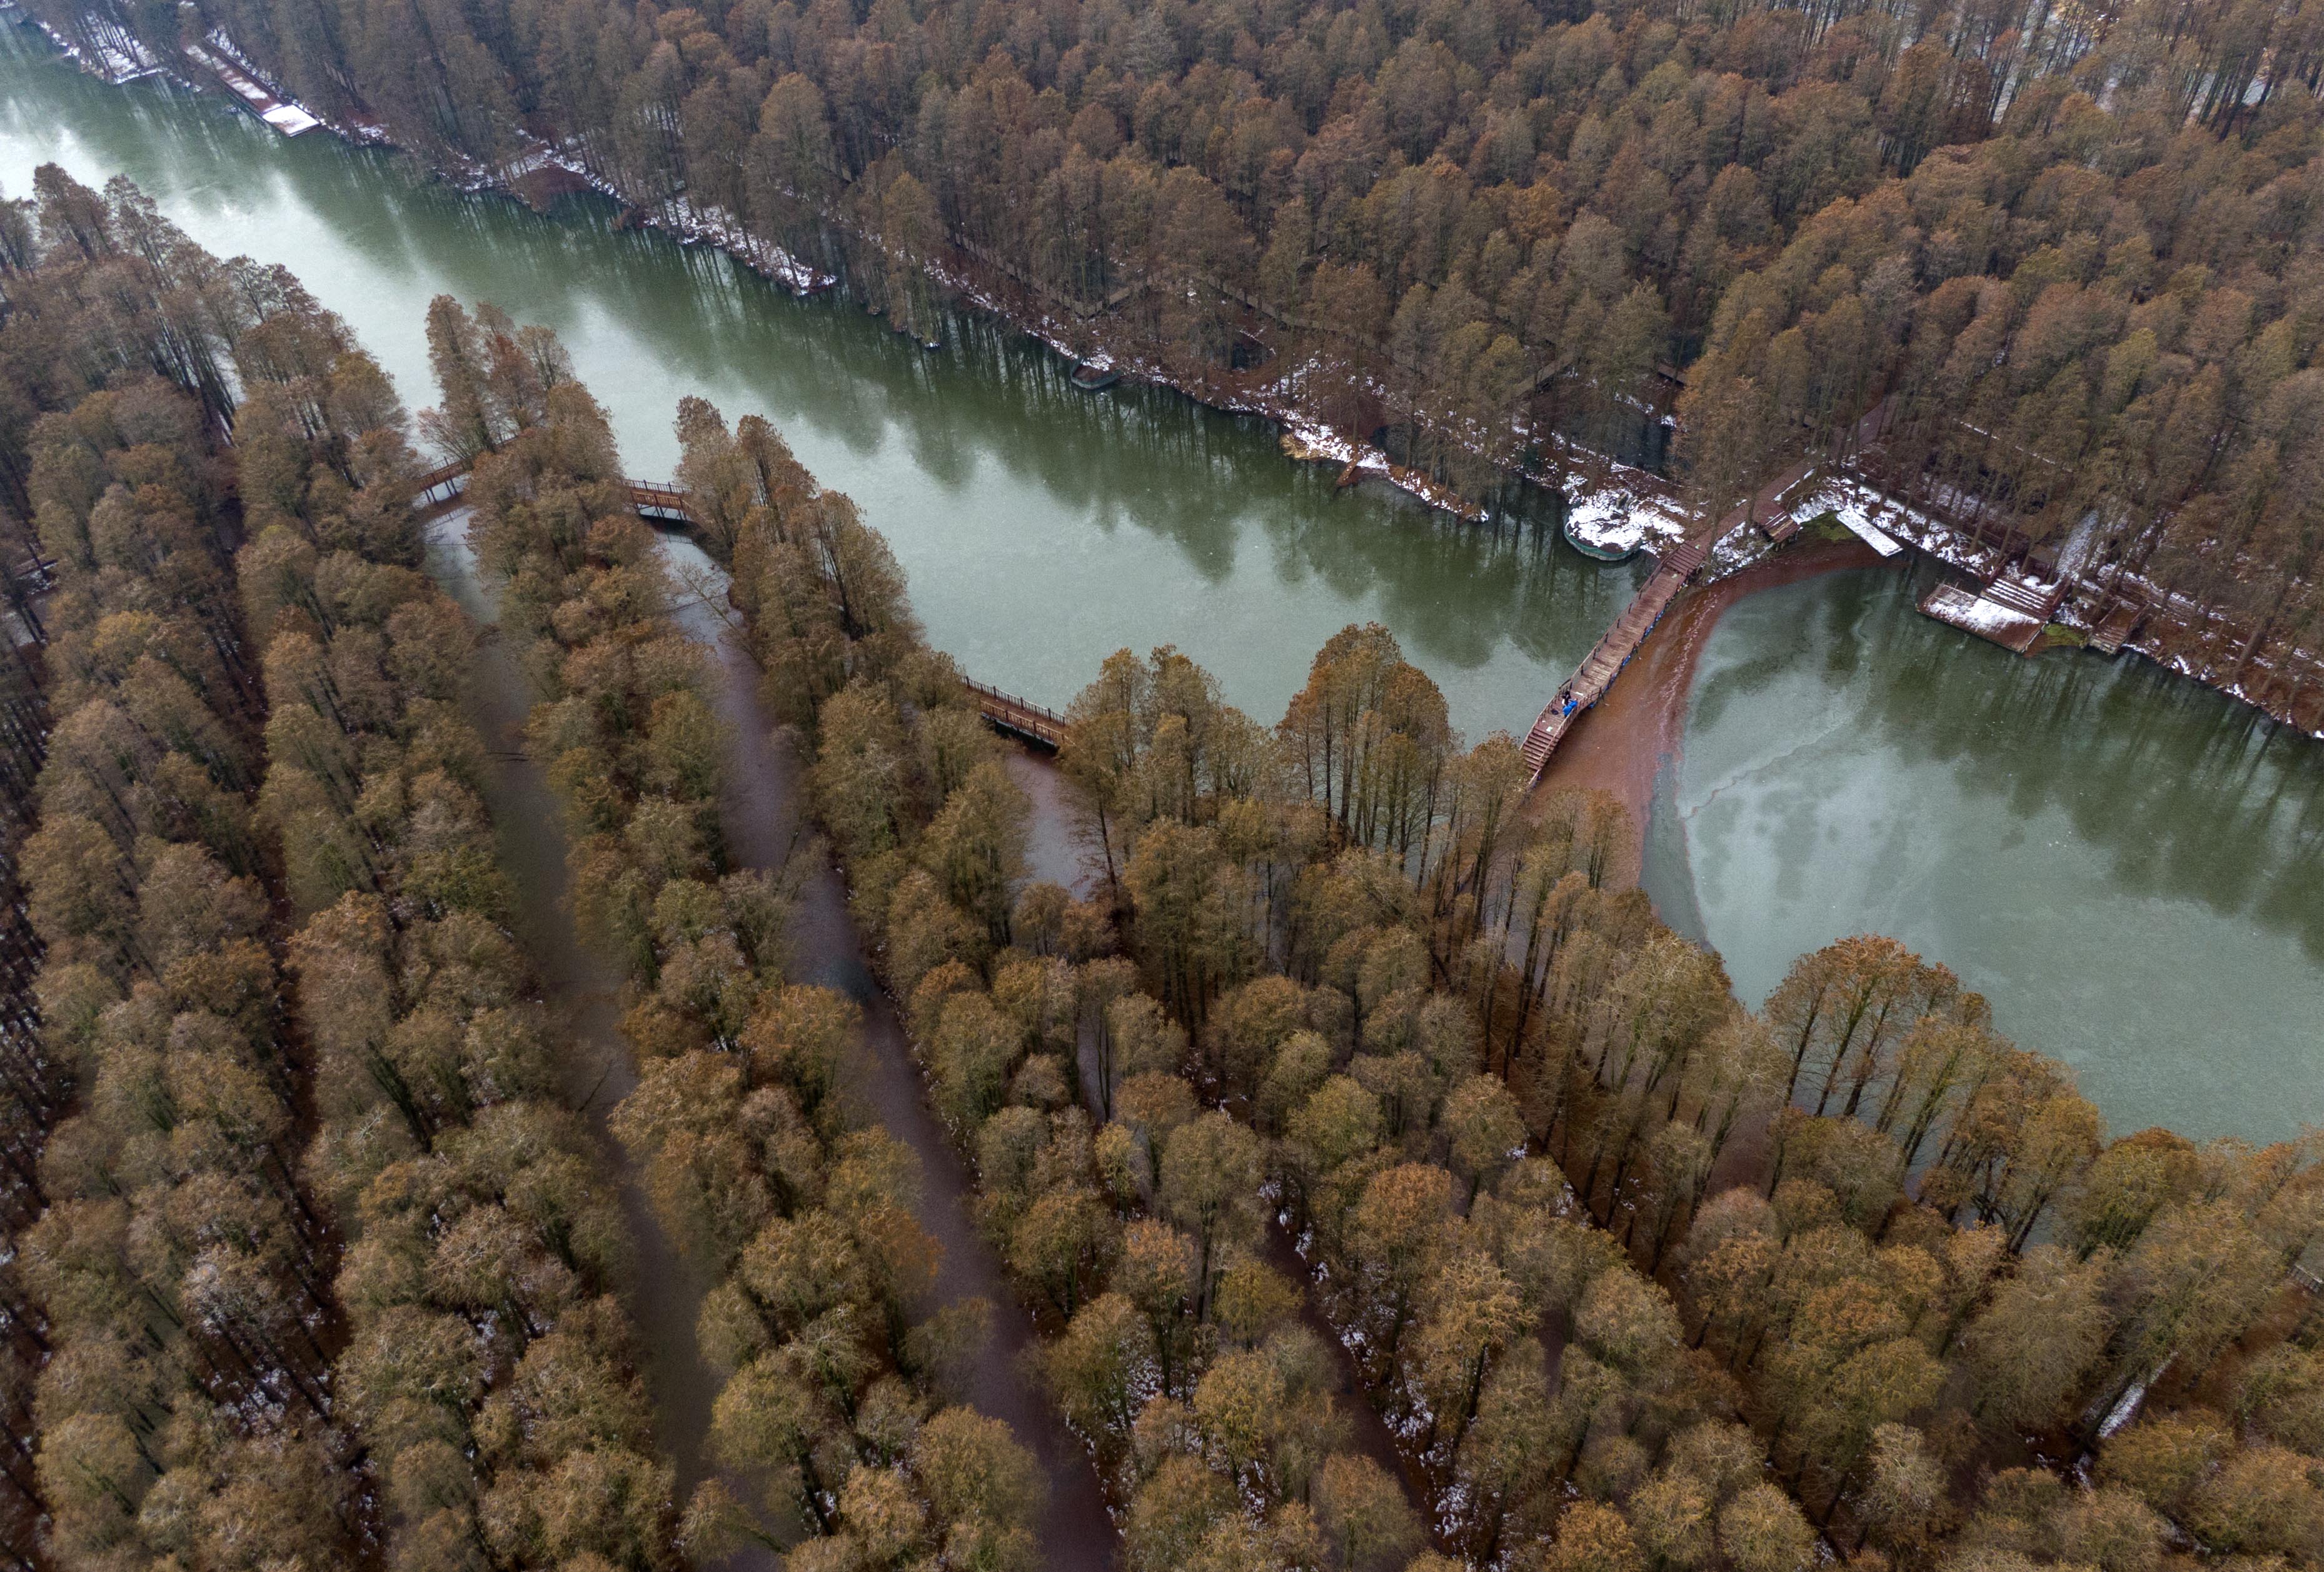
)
(1043, 528)
(2126, 863)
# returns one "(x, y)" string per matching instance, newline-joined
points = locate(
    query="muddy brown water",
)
(762, 812)
(663, 1289)
(1630, 736)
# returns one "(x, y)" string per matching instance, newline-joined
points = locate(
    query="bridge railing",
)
(661, 497)
(1012, 702)
(424, 487)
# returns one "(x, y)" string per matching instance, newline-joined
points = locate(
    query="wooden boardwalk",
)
(652, 498)
(1613, 649)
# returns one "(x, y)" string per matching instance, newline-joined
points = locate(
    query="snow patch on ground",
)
(1617, 519)
(2003, 625)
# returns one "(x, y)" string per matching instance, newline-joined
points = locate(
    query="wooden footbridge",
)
(651, 498)
(1022, 718)
(1018, 717)
(654, 500)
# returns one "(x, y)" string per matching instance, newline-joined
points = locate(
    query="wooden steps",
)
(2115, 628)
(2020, 594)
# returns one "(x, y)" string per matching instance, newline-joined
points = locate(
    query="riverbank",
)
(1625, 741)
(2178, 635)
(547, 169)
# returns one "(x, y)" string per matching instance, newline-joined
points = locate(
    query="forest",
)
(1384, 1185)
(2068, 253)
(1639, 1279)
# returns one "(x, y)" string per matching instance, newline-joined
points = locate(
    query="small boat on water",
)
(1092, 378)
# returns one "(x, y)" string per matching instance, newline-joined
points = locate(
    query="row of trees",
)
(489, 1371)
(1642, 1279)
(318, 1276)
(1172, 1346)
(2069, 252)
(173, 1292)
(840, 1376)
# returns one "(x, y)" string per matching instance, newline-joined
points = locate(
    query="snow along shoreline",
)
(1611, 507)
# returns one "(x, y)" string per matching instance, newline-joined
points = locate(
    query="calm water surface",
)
(2127, 865)
(1042, 528)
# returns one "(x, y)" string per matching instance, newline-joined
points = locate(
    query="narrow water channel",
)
(761, 809)
(664, 1288)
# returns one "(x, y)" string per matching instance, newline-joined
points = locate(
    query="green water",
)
(2127, 864)
(1042, 527)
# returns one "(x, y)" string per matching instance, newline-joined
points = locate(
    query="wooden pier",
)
(2012, 611)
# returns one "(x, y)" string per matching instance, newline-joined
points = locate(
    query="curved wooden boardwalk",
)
(1614, 649)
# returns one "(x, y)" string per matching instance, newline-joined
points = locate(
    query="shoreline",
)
(1629, 738)
(1595, 482)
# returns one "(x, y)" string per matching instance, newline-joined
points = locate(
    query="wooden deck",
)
(2011, 611)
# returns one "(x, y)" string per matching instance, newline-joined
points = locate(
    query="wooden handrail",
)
(1026, 705)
